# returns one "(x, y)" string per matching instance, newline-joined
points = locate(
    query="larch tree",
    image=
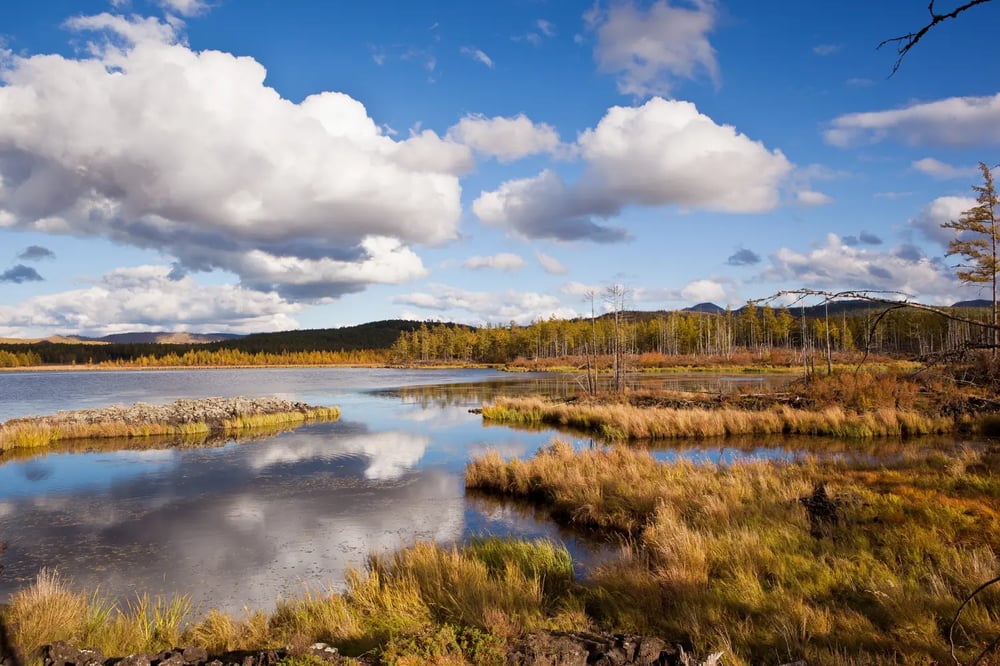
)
(976, 240)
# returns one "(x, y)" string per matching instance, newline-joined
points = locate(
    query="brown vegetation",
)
(619, 422)
(728, 558)
(426, 602)
(853, 405)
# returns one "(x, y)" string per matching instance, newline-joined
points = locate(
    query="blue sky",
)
(247, 165)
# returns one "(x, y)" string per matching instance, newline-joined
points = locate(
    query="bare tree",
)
(904, 43)
(892, 300)
(615, 297)
(591, 379)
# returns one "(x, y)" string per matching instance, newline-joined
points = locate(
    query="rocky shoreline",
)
(182, 417)
(539, 649)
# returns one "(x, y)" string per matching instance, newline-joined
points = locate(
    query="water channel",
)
(240, 525)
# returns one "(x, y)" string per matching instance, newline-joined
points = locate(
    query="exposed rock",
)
(540, 649)
(582, 649)
(137, 659)
(169, 658)
(324, 652)
(211, 411)
(194, 654)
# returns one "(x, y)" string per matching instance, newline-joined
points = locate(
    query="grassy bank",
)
(719, 558)
(846, 405)
(619, 422)
(183, 420)
(152, 442)
(423, 604)
(728, 559)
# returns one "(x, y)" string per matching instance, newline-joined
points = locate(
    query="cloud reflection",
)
(240, 526)
(390, 454)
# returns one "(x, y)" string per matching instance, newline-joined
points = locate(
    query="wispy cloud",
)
(477, 54)
(953, 122)
(827, 49)
(938, 169)
(503, 261)
(551, 265)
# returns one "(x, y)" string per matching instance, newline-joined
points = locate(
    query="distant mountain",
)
(167, 338)
(54, 339)
(977, 303)
(708, 308)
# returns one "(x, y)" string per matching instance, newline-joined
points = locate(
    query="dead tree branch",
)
(864, 295)
(904, 43)
(954, 622)
(875, 297)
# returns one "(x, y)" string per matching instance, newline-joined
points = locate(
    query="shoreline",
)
(184, 418)
(283, 366)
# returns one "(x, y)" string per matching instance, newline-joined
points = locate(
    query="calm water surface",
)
(241, 525)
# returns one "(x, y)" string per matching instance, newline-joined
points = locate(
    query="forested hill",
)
(842, 326)
(373, 335)
(377, 335)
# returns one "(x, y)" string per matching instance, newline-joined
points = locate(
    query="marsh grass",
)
(725, 557)
(196, 440)
(621, 421)
(43, 432)
(49, 610)
(460, 602)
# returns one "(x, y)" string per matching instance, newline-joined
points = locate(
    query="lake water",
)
(240, 525)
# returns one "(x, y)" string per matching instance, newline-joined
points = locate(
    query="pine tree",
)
(977, 241)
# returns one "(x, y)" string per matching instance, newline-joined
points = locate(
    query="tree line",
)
(750, 329)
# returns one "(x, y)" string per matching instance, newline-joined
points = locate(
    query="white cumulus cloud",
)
(152, 144)
(506, 139)
(943, 209)
(658, 154)
(487, 306)
(650, 49)
(149, 298)
(955, 121)
(835, 265)
(700, 291)
(695, 291)
(390, 454)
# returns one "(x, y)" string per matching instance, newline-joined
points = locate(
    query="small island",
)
(181, 418)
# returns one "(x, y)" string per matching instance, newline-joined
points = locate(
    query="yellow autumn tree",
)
(976, 241)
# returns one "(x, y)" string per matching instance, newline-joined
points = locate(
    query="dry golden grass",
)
(619, 422)
(49, 610)
(726, 558)
(483, 593)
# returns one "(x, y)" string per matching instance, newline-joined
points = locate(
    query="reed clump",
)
(729, 558)
(464, 603)
(621, 421)
(49, 610)
(185, 420)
